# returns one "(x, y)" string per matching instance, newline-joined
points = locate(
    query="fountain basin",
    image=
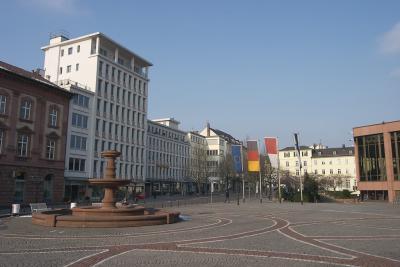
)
(118, 218)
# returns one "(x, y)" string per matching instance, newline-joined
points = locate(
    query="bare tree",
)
(226, 169)
(198, 166)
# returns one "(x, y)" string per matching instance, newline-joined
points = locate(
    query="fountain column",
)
(109, 190)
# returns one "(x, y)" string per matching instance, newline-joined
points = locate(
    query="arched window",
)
(25, 109)
(48, 188)
(53, 116)
(19, 184)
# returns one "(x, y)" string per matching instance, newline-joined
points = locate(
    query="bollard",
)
(15, 208)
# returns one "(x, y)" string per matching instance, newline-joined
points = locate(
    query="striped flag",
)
(252, 156)
(271, 148)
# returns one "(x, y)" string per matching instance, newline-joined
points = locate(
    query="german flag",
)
(253, 157)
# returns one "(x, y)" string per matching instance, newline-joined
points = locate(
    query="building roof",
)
(87, 36)
(383, 122)
(333, 152)
(31, 75)
(225, 135)
(290, 148)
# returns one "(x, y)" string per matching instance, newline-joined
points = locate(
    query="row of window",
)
(120, 77)
(69, 68)
(158, 173)
(121, 113)
(172, 161)
(80, 100)
(70, 50)
(119, 132)
(338, 161)
(166, 133)
(26, 110)
(24, 145)
(20, 187)
(123, 170)
(136, 153)
(167, 146)
(287, 154)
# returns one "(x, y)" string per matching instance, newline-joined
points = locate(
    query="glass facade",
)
(395, 139)
(371, 157)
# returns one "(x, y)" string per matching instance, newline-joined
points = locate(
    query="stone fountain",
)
(109, 214)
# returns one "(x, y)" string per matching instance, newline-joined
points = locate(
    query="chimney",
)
(208, 129)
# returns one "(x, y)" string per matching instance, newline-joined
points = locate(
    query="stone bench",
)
(37, 207)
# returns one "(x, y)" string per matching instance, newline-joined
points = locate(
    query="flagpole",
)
(259, 163)
(278, 174)
(296, 140)
(241, 156)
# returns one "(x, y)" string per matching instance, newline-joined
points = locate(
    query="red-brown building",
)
(377, 153)
(33, 130)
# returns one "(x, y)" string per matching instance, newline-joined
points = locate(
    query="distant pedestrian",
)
(227, 196)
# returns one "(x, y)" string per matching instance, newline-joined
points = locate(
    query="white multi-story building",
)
(218, 146)
(78, 141)
(118, 117)
(167, 156)
(336, 162)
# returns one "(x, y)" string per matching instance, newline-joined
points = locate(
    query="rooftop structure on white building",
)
(117, 117)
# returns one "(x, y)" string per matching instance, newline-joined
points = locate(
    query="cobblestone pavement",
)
(219, 234)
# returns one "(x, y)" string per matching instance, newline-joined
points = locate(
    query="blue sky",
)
(250, 68)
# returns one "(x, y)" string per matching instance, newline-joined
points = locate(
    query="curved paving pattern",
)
(251, 234)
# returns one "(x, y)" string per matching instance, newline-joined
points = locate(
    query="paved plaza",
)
(221, 234)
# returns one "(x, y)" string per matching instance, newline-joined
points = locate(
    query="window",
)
(62, 52)
(60, 70)
(23, 142)
(48, 187)
(286, 154)
(53, 116)
(78, 49)
(70, 51)
(76, 164)
(339, 171)
(81, 100)
(305, 163)
(371, 157)
(395, 140)
(100, 68)
(50, 149)
(323, 171)
(287, 163)
(331, 171)
(315, 171)
(79, 120)
(77, 66)
(334, 152)
(297, 172)
(78, 142)
(68, 68)
(25, 111)
(19, 187)
(2, 137)
(3, 104)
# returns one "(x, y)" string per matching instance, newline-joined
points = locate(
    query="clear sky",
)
(250, 68)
